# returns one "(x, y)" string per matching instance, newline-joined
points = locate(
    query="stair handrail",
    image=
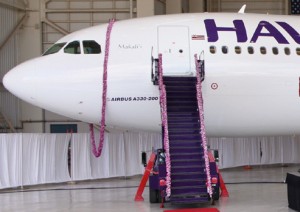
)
(97, 151)
(154, 70)
(164, 117)
(199, 66)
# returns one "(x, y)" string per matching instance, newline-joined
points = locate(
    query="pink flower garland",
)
(97, 152)
(203, 131)
(164, 117)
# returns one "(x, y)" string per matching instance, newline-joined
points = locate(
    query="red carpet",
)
(194, 210)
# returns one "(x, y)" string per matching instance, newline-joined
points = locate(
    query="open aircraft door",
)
(173, 43)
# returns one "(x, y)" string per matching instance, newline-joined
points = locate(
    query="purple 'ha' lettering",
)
(212, 30)
(292, 32)
(272, 32)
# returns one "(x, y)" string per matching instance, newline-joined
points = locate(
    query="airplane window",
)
(263, 50)
(238, 50)
(250, 50)
(54, 49)
(275, 50)
(72, 48)
(212, 49)
(225, 49)
(298, 51)
(91, 47)
(287, 51)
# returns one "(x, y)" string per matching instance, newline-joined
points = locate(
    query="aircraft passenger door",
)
(174, 44)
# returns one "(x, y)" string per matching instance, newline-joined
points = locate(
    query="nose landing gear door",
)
(174, 44)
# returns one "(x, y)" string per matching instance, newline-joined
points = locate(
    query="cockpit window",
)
(54, 49)
(91, 47)
(73, 48)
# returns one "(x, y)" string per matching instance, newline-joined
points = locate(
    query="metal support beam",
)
(287, 7)
(15, 29)
(53, 25)
(16, 5)
(131, 8)
(124, 10)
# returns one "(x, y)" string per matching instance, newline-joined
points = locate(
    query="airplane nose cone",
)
(9, 80)
(18, 81)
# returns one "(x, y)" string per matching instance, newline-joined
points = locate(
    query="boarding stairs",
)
(188, 168)
(5, 125)
(186, 152)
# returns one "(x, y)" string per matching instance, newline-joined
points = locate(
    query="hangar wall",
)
(279, 7)
(11, 15)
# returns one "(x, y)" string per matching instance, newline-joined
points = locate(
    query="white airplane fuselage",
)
(244, 94)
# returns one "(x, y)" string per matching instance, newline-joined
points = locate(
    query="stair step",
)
(187, 156)
(184, 142)
(200, 185)
(181, 95)
(187, 114)
(174, 145)
(184, 131)
(171, 103)
(192, 162)
(188, 181)
(188, 163)
(189, 199)
(180, 79)
(186, 150)
(184, 115)
(183, 122)
(184, 126)
(179, 83)
(191, 169)
(185, 137)
(190, 194)
(181, 98)
(185, 191)
(190, 175)
(183, 108)
(179, 90)
(184, 178)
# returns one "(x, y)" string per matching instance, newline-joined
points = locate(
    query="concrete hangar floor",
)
(260, 189)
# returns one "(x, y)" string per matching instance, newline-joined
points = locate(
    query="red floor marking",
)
(194, 210)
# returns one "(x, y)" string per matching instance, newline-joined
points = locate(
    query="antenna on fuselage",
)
(242, 10)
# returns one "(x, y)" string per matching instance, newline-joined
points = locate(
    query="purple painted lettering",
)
(272, 32)
(212, 30)
(292, 32)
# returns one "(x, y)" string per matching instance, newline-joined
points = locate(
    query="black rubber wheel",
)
(216, 195)
(153, 194)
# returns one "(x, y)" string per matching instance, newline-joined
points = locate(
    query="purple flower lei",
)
(97, 152)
